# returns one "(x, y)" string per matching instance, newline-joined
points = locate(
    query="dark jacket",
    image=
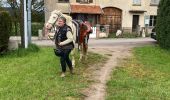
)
(61, 35)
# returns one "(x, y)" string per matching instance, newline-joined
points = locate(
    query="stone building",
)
(126, 15)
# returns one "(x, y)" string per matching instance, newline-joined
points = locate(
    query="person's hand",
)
(61, 44)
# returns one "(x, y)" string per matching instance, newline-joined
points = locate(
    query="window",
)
(63, 1)
(136, 2)
(154, 2)
(84, 1)
(152, 20)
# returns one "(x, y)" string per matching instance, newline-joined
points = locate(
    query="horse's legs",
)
(85, 47)
(73, 57)
(81, 51)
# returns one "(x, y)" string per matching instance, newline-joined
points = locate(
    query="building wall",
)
(124, 5)
(51, 5)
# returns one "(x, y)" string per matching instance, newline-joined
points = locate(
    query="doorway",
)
(135, 23)
(113, 17)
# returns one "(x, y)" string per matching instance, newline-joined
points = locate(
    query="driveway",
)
(109, 43)
(116, 50)
(105, 43)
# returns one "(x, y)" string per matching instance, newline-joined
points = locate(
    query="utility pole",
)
(25, 25)
(29, 19)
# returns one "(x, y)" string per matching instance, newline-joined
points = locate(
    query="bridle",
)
(59, 15)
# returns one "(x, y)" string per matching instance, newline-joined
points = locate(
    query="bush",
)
(38, 16)
(36, 27)
(5, 30)
(163, 24)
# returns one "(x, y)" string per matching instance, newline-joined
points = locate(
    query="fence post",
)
(97, 30)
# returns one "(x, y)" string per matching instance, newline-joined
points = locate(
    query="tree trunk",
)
(22, 23)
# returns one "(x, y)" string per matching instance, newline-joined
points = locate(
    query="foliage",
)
(0, 3)
(38, 16)
(17, 10)
(15, 29)
(145, 76)
(38, 5)
(5, 30)
(36, 76)
(36, 27)
(162, 25)
(34, 30)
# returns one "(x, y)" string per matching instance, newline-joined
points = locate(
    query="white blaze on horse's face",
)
(53, 17)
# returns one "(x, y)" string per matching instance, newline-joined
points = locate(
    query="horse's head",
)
(52, 19)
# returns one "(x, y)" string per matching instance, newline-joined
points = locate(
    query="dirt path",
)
(97, 91)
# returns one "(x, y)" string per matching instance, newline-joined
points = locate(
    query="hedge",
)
(163, 24)
(5, 30)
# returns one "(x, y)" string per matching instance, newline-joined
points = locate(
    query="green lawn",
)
(29, 75)
(145, 76)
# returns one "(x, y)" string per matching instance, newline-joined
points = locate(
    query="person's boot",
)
(62, 74)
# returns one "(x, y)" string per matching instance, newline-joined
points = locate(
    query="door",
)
(113, 17)
(135, 23)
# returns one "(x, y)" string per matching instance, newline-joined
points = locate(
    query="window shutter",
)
(155, 1)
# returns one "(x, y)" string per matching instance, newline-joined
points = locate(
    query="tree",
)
(17, 9)
(0, 3)
(5, 30)
(15, 14)
(38, 11)
(163, 24)
(38, 5)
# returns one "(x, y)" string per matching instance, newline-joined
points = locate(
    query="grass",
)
(34, 74)
(142, 77)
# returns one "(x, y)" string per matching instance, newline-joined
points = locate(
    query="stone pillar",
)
(12, 45)
(40, 35)
(138, 29)
(106, 29)
(97, 30)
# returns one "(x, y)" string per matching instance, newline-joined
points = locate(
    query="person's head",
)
(61, 21)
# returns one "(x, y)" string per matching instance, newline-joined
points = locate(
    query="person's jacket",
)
(64, 36)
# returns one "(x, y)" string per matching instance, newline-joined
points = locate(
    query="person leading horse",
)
(80, 38)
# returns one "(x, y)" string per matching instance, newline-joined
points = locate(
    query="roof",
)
(86, 9)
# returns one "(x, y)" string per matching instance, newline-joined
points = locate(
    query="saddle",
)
(80, 24)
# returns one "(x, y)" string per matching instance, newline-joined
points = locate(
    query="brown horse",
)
(80, 32)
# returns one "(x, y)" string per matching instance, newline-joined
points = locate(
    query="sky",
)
(5, 4)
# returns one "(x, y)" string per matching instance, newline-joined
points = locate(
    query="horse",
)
(79, 29)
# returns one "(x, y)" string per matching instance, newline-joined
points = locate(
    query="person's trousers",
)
(65, 60)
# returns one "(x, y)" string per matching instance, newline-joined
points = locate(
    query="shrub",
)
(5, 30)
(163, 24)
(38, 16)
(36, 27)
